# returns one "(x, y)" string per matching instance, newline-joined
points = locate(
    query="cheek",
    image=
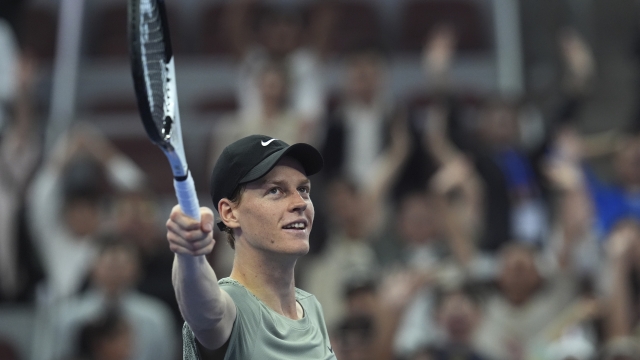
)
(257, 218)
(311, 211)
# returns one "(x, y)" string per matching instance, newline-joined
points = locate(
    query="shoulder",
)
(310, 304)
(247, 304)
(301, 295)
(234, 288)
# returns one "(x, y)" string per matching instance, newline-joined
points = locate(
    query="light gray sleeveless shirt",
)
(260, 333)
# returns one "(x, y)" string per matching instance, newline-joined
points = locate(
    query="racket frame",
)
(169, 138)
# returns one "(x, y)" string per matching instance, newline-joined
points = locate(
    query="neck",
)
(270, 280)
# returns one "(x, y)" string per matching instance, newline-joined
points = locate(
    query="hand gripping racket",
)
(155, 86)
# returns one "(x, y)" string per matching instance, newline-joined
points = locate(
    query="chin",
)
(297, 249)
(301, 250)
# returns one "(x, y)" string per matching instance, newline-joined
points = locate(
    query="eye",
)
(274, 190)
(304, 189)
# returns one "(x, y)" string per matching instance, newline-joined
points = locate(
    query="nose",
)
(298, 203)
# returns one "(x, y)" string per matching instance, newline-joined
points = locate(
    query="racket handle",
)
(187, 197)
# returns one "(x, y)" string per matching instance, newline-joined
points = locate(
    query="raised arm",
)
(387, 169)
(395, 294)
(622, 247)
(209, 311)
(564, 171)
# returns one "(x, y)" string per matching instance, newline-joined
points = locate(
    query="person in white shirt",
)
(64, 210)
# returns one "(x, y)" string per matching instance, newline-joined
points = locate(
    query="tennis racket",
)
(155, 86)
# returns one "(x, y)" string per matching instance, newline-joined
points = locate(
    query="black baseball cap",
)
(252, 157)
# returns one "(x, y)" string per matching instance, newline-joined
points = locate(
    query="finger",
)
(187, 235)
(182, 220)
(191, 246)
(206, 219)
(175, 240)
(204, 251)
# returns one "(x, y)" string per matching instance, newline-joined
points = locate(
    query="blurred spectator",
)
(279, 37)
(347, 258)
(358, 131)
(501, 142)
(395, 293)
(361, 298)
(64, 205)
(354, 338)
(524, 304)
(19, 155)
(273, 118)
(430, 238)
(458, 314)
(593, 208)
(276, 118)
(113, 280)
(502, 162)
(136, 219)
(620, 200)
(109, 337)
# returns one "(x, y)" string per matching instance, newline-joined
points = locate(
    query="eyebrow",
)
(281, 182)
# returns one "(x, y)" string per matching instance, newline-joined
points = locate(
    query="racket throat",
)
(178, 164)
(167, 125)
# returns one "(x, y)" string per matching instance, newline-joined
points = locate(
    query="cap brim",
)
(307, 155)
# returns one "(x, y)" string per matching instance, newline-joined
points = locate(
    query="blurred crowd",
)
(455, 230)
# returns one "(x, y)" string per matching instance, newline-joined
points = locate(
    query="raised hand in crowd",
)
(438, 54)
(578, 60)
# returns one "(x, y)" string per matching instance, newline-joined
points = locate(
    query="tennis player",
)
(261, 189)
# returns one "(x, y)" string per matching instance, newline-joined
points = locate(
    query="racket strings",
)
(153, 60)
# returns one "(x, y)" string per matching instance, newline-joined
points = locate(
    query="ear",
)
(226, 209)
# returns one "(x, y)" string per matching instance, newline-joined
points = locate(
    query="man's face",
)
(275, 213)
(519, 277)
(115, 270)
(499, 125)
(273, 87)
(417, 221)
(364, 78)
(82, 216)
(458, 316)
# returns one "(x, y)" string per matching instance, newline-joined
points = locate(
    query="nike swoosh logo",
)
(265, 143)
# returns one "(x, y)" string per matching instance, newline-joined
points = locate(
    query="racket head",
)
(154, 78)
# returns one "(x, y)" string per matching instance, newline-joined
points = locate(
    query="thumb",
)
(206, 219)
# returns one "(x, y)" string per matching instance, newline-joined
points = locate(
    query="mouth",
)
(298, 225)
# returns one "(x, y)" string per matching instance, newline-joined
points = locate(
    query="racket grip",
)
(187, 197)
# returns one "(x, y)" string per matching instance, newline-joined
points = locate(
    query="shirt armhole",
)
(217, 354)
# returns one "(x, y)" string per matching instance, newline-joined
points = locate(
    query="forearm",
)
(458, 239)
(207, 309)
(620, 308)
